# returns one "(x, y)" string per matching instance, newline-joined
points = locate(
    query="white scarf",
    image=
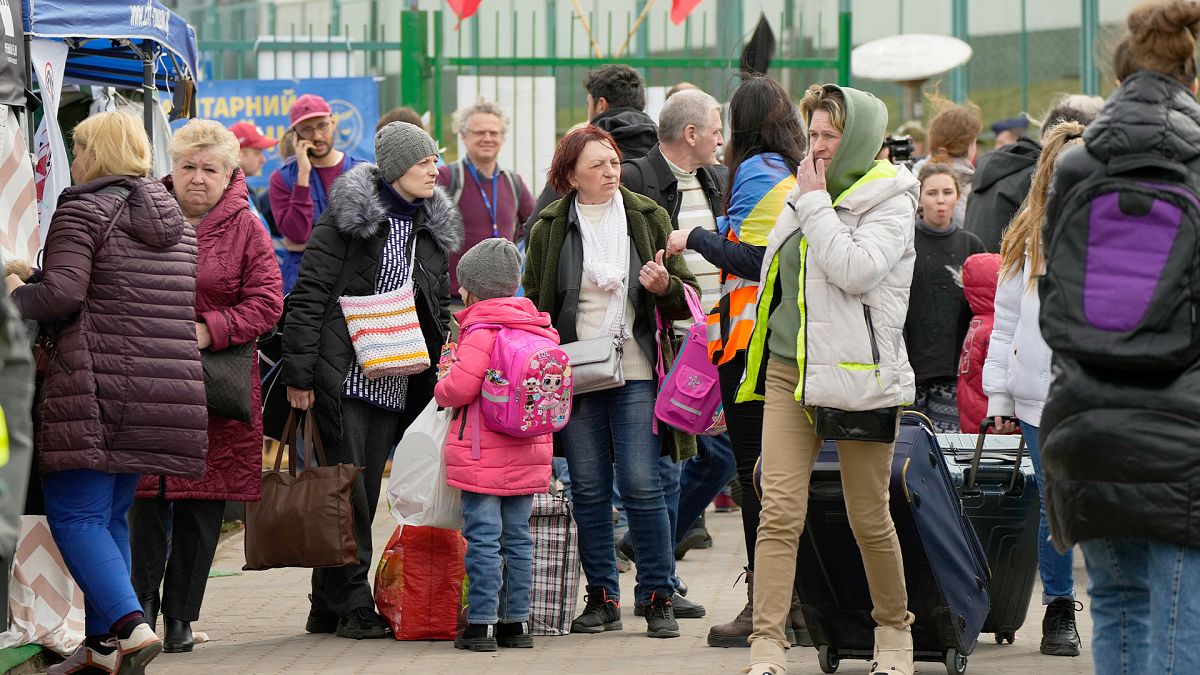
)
(606, 259)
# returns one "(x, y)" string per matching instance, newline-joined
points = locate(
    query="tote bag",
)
(385, 330)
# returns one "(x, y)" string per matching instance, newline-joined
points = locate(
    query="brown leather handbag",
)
(305, 517)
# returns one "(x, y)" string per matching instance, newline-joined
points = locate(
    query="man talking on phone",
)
(300, 187)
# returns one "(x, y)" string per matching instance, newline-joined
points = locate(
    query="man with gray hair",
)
(493, 201)
(682, 175)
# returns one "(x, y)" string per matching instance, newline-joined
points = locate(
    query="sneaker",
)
(694, 538)
(87, 661)
(320, 621)
(723, 503)
(625, 548)
(514, 634)
(362, 624)
(1059, 634)
(623, 564)
(683, 608)
(660, 618)
(477, 637)
(601, 613)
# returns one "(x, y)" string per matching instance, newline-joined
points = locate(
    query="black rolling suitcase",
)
(996, 482)
(944, 565)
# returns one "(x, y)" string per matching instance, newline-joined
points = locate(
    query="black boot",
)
(477, 637)
(660, 618)
(150, 611)
(1059, 635)
(178, 637)
(514, 635)
(602, 613)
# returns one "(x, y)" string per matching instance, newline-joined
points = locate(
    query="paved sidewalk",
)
(256, 623)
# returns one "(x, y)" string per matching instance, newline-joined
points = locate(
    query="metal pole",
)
(844, 43)
(1024, 60)
(148, 89)
(1090, 27)
(958, 76)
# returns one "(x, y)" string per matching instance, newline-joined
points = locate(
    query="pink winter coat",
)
(507, 465)
(980, 273)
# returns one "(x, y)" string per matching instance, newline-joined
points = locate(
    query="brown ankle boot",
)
(801, 637)
(736, 633)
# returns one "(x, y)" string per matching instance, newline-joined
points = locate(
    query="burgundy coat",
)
(124, 392)
(239, 295)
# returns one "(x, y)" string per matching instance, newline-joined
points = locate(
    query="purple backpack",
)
(689, 395)
(527, 388)
(1122, 286)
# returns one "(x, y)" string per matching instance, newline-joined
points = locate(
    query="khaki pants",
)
(789, 450)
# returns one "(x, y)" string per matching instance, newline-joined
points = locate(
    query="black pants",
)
(369, 435)
(745, 435)
(172, 544)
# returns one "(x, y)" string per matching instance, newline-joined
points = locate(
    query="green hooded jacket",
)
(866, 122)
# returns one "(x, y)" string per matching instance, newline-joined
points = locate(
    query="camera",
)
(900, 149)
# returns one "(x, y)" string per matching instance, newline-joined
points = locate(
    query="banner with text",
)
(354, 100)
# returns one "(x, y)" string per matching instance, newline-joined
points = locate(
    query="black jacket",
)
(1120, 450)
(998, 188)
(633, 130)
(651, 176)
(343, 259)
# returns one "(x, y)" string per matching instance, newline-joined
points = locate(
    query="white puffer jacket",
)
(1016, 375)
(856, 254)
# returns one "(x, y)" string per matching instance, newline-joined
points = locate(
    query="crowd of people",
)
(832, 279)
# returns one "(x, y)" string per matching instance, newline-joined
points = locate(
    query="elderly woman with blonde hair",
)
(123, 391)
(176, 521)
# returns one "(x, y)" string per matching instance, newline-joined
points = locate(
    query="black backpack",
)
(1122, 278)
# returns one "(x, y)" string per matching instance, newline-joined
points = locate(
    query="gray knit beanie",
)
(400, 145)
(490, 269)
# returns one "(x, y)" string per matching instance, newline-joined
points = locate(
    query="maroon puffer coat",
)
(239, 295)
(124, 392)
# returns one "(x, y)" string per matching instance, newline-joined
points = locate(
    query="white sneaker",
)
(138, 649)
(85, 660)
(765, 668)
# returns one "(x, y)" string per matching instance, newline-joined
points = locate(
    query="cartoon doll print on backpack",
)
(527, 388)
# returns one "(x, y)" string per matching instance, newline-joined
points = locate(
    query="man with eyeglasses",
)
(494, 202)
(299, 188)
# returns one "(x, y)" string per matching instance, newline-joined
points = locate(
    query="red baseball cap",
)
(249, 136)
(306, 107)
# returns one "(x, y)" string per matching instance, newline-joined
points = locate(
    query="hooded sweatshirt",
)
(866, 120)
(506, 465)
(999, 186)
(633, 130)
(979, 275)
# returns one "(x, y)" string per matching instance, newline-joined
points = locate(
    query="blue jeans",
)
(1145, 608)
(499, 558)
(1057, 569)
(86, 511)
(703, 477)
(619, 420)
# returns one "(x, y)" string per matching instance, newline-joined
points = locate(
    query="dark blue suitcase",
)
(944, 564)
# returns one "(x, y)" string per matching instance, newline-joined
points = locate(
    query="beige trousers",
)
(789, 450)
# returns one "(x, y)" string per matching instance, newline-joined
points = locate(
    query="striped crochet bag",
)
(386, 332)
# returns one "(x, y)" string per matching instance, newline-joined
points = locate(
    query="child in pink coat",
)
(500, 478)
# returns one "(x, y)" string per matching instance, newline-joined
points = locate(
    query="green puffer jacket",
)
(554, 270)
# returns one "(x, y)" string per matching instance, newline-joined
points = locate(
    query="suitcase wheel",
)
(956, 664)
(828, 659)
(1003, 637)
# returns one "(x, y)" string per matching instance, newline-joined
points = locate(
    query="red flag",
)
(679, 10)
(463, 9)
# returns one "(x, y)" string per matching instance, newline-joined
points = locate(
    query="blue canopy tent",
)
(133, 45)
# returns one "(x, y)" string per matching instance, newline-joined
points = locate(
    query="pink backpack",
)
(527, 388)
(689, 395)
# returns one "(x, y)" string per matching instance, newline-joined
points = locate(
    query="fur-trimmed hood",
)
(358, 210)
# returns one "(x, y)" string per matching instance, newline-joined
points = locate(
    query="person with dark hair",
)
(1118, 444)
(825, 267)
(616, 99)
(1001, 179)
(400, 114)
(596, 263)
(764, 149)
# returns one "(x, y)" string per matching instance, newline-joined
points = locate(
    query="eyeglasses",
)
(485, 133)
(306, 132)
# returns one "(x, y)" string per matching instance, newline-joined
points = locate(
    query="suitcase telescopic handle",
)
(973, 472)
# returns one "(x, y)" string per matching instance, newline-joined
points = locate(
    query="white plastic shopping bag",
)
(417, 492)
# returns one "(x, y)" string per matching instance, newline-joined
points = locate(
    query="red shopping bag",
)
(419, 582)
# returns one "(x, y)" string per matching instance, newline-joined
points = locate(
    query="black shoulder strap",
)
(456, 181)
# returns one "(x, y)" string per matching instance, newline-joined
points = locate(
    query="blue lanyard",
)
(489, 204)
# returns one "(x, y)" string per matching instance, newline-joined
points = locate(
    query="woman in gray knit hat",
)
(385, 224)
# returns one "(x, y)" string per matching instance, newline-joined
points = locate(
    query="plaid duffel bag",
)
(556, 567)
